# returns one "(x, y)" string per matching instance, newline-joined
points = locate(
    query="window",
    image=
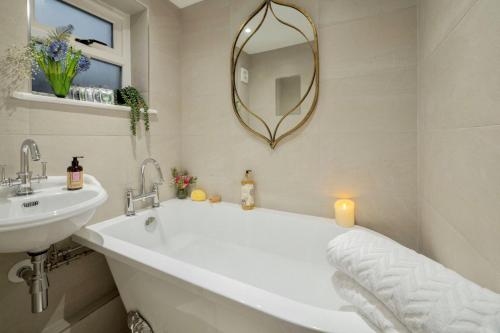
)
(110, 63)
(55, 13)
(101, 74)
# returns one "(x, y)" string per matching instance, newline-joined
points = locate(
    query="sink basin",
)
(52, 213)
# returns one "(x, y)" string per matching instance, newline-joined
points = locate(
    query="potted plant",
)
(59, 61)
(130, 96)
(181, 180)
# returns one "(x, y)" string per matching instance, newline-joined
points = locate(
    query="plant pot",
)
(182, 193)
(119, 98)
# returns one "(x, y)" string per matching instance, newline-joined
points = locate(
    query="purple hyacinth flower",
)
(83, 64)
(57, 50)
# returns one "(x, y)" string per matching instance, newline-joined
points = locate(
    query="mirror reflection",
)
(275, 71)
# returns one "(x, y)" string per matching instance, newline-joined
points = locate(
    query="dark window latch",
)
(89, 42)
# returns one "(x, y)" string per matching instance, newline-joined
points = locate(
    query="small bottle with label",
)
(248, 191)
(75, 175)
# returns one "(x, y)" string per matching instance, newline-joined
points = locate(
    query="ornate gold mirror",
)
(275, 71)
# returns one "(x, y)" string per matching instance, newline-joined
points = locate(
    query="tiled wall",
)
(459, 136)
(361, 142)
(111, 155)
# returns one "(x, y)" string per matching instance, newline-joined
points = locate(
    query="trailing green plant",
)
(133, 98)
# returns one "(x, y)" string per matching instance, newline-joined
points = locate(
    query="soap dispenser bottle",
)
(248, 191)
(75, 175)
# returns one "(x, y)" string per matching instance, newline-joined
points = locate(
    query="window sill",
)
(45, 99)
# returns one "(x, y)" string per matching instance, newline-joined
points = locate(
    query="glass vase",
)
(182, 193)
(59, 83)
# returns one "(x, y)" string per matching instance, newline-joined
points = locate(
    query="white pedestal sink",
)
(52, 213)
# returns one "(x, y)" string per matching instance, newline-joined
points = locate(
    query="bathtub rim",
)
(163, 266)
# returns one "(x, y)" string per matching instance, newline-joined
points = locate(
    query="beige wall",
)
(459, 136)
(111, 155)
(360, 143)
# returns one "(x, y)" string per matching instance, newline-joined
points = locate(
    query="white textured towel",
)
(424, 295)
(367, 304)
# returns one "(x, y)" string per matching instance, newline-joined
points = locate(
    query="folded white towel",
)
(424, 295)
(367, 304)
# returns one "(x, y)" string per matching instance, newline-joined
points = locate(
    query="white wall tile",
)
(458, 136)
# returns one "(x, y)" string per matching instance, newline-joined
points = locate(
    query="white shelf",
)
(25, 96)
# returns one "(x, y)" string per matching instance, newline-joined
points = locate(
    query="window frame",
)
(119, 54)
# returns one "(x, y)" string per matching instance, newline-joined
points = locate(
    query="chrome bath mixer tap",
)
(154, 194)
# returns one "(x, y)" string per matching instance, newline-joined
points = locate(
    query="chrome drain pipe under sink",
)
(37, 281)
(34, 271)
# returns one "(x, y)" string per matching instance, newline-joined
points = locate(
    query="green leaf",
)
(136, 102)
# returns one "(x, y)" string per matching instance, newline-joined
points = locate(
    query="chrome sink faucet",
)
(154, 194)
(24, 176)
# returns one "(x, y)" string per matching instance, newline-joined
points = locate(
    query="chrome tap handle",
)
(2, 173)
(129, 199)
(44, 169)
(3, 180)
(156, 195)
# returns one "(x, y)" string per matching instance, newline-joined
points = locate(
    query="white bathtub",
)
(216, 268)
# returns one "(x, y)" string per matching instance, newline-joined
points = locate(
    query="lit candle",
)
(344, 212)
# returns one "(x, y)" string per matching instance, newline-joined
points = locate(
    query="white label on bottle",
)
(247, 194)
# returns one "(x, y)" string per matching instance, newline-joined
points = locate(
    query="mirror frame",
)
(273, 139)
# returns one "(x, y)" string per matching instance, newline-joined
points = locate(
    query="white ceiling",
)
(127, 6)
(184, 3)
